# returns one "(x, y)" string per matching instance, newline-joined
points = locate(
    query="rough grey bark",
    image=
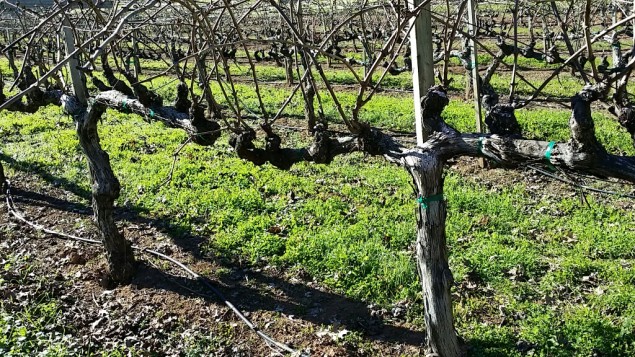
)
(426, 170)
(288, 71)
(202, 131)
(213, 108)
(583, 153)
(105, 190)
(105, 186)
(309, 107)
(307, 85)
(309, 94)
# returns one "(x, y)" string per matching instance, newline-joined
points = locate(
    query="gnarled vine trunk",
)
(105, 190)
(426, 170)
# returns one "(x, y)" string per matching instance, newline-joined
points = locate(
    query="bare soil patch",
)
(156, 313)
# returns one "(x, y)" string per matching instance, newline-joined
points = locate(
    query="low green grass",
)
(29, 323)
(547, 271)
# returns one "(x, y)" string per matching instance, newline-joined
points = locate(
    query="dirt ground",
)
(164, 310)
(156, 313)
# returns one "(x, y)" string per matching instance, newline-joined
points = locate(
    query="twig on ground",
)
(168, 179)
(577, 185)
(270, 341)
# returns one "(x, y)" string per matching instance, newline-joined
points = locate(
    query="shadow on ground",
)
(251, 289)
